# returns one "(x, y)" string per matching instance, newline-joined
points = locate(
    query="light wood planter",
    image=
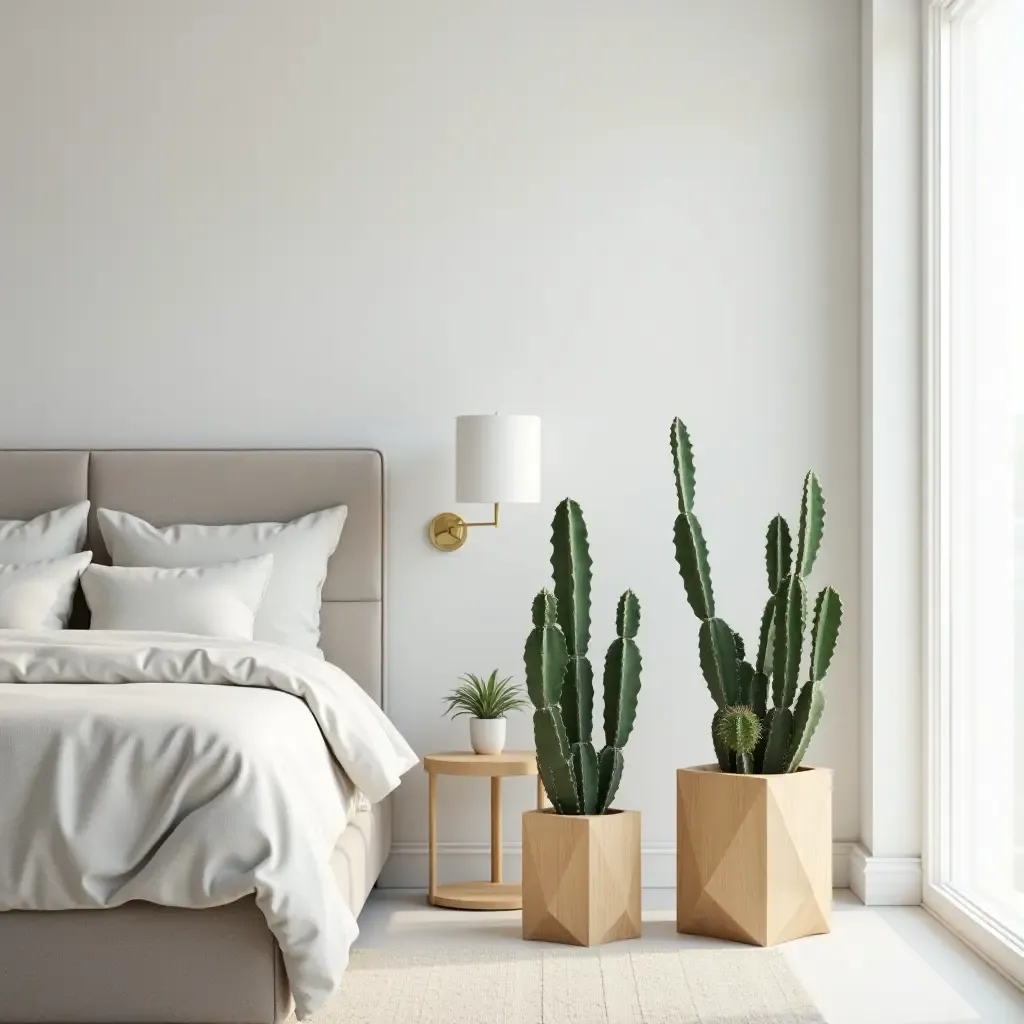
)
(581, 877)
(753, 854)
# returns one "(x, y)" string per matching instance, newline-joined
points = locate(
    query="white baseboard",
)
(885, 881)
(407, 868)
(841, 853)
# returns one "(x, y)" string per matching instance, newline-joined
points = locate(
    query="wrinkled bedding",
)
(130, 771)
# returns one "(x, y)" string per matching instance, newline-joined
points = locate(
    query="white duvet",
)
(182, 792)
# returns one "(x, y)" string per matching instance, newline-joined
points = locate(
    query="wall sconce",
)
(497, 459)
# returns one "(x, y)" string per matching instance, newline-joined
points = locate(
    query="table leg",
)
(542, 797)
(496, 829)
(432, 835)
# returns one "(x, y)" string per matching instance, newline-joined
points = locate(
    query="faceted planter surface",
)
(753, 854)
(581, 877)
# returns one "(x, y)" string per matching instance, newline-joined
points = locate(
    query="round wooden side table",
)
(495, 894)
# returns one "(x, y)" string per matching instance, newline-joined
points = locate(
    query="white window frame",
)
(943, 318)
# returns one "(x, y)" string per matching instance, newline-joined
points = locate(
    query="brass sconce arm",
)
(448, 531)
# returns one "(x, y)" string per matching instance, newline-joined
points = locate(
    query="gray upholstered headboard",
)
(236, 486)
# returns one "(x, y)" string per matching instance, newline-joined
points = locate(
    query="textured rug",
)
(574, 986)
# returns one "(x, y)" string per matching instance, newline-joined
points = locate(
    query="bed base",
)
(144, 964)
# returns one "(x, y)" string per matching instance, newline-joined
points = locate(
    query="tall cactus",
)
(740, 689)
(560, 681)
(571, 569)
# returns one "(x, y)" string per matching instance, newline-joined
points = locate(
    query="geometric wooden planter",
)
(753, 854)
(581, 877)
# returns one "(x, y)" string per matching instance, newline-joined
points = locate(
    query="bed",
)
(143, 963)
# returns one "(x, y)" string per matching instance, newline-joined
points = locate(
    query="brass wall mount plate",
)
(447, 531)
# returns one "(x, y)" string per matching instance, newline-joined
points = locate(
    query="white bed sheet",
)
(187, 771)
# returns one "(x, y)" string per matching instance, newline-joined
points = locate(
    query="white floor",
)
(880, 965)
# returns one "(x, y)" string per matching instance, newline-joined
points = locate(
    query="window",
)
(975, 489)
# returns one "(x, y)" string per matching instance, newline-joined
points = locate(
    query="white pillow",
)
(54, 534)
(211, 600)
(290, 613)
(38, 595)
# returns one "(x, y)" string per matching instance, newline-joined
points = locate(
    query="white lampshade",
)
(497, 458)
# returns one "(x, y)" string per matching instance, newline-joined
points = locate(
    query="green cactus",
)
(785, 728)
(790, 620)
(745, 687)
(759, 694)
(718, 661)
(570, 565)
(809, 708)
(812, 525)
(722, 752)
(584, 768)
(741, 647)
(545, 655)
(610, 763)
(692, 556)
(810, 705)
(554, 760)
(559, 678)
(766, 644)
(682, 463)
(778, 553)
(760, 683)
(622, 674)
(779, 729)
(762, 745)
(739, 730)
(828, 616)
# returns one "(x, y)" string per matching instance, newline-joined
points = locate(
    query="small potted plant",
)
(581, 857)
(487, 702)
(754, 830)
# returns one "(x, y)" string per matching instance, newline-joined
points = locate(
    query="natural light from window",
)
(987, 466)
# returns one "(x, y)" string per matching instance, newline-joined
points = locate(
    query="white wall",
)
(339, 223)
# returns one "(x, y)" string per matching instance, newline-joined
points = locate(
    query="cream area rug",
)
(574, 986)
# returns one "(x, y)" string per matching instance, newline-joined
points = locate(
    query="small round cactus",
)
(739, 729)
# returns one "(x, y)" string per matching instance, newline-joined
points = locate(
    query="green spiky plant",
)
(560, 681)
(481, 697)
(739, 687)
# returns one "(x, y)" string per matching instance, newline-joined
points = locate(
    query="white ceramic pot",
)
(487, 735)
